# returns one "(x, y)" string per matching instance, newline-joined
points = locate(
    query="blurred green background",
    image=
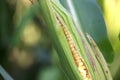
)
(26, 51)
(25, 47)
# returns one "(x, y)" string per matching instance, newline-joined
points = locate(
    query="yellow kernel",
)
(80, 63)
(72, 49)
(71, 45)
(66, 33)
(69, 39)
(75, 54)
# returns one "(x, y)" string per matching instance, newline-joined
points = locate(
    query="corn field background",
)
(27, 51)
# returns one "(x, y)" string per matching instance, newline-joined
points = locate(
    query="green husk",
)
(49, 9)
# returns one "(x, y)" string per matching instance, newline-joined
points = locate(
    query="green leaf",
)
(89, 15)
